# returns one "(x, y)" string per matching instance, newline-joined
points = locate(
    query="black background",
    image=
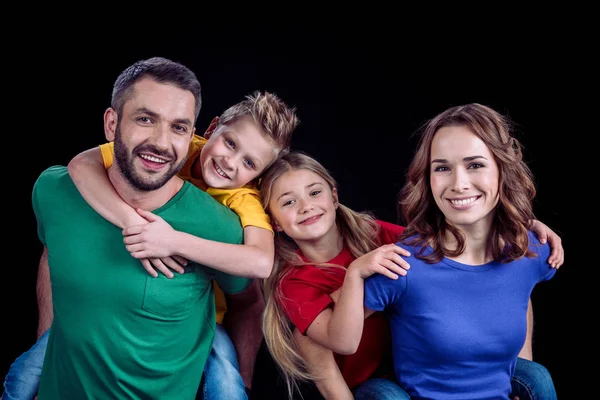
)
(360, 93)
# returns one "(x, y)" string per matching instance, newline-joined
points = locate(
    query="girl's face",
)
(464, 177)
(303, 206)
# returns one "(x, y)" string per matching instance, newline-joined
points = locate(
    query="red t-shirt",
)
(305, 294)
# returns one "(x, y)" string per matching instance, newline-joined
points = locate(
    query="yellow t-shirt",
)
(245, 201)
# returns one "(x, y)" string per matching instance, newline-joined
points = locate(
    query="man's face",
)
(153, 134)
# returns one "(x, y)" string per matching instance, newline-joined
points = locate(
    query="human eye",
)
(249, 163)
(476, 165)
(229, 142)
(315, 192)
(180, 128)
(441, 168)
(288, 202)
(144, 119)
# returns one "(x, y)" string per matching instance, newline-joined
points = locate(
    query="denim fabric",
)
(532, 381)
(221, 379)
(23, 377)
(379, 389)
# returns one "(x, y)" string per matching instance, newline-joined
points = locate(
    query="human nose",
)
(461, 181)
(161, 137)
(228, 163)
(305, 206)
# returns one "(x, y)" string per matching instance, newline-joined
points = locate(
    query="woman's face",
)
(464, 177)
(303, 206)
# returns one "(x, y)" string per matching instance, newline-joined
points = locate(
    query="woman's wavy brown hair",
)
(425, 223)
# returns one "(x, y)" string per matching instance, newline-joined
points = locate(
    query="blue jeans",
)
(23, 377)
(532, 381)
(380, 389)
(221, 379)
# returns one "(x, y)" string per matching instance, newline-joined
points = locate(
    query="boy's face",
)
(235, 154)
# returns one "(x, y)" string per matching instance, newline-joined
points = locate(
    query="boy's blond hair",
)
(270, 113)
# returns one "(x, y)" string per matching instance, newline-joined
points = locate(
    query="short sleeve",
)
(381, 291)
(232, 284)
(246, 203)
(37, 192)
(108, 151)
(302, 300)
(543, 253)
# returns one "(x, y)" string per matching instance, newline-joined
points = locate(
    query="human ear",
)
(111, 122)
(276, 225)
(211, 128)
(336, 201)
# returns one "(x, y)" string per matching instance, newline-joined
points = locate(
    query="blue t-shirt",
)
(457, 329)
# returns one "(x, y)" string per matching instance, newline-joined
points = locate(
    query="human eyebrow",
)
(155, 115)
(444, 161)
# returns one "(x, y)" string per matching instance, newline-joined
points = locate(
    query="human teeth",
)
(152, 158)
(220, 171)
(463, 202)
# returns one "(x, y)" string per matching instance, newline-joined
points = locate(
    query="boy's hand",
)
(384, 260)
(164, 265)
(544, 233)
(151, 243)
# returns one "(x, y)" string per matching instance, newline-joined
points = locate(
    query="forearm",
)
(235, 259)
(44, 295)
(243, 323)
(347, 319)
(89, 176)
(322, 365)
(527, 350)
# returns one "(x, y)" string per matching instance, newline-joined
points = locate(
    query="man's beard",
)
(125, 164)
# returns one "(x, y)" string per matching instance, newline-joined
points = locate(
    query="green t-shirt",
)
(119, 333)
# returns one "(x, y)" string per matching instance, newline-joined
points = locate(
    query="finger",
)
(558, 260)
(395, 268)
(399, 260)
(147, 214)
(159, 265)
(557, 253)
(181, 260)
(402, 251)
(173, 264)
(135, 248)
(148, 267)
(132, 239)
(380, 269)
(543, 236)
(132, 230)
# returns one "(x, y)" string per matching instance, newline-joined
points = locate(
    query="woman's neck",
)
(323, 249)
(476, 244)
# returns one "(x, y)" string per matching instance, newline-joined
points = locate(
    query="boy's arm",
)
(88, 172)
(89, 176)
(253, 259)
(44, 295)
(321, 364)
(243, 323)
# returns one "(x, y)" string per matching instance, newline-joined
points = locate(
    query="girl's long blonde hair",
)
(359, 232)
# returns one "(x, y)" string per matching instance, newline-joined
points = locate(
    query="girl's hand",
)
(385, 260)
